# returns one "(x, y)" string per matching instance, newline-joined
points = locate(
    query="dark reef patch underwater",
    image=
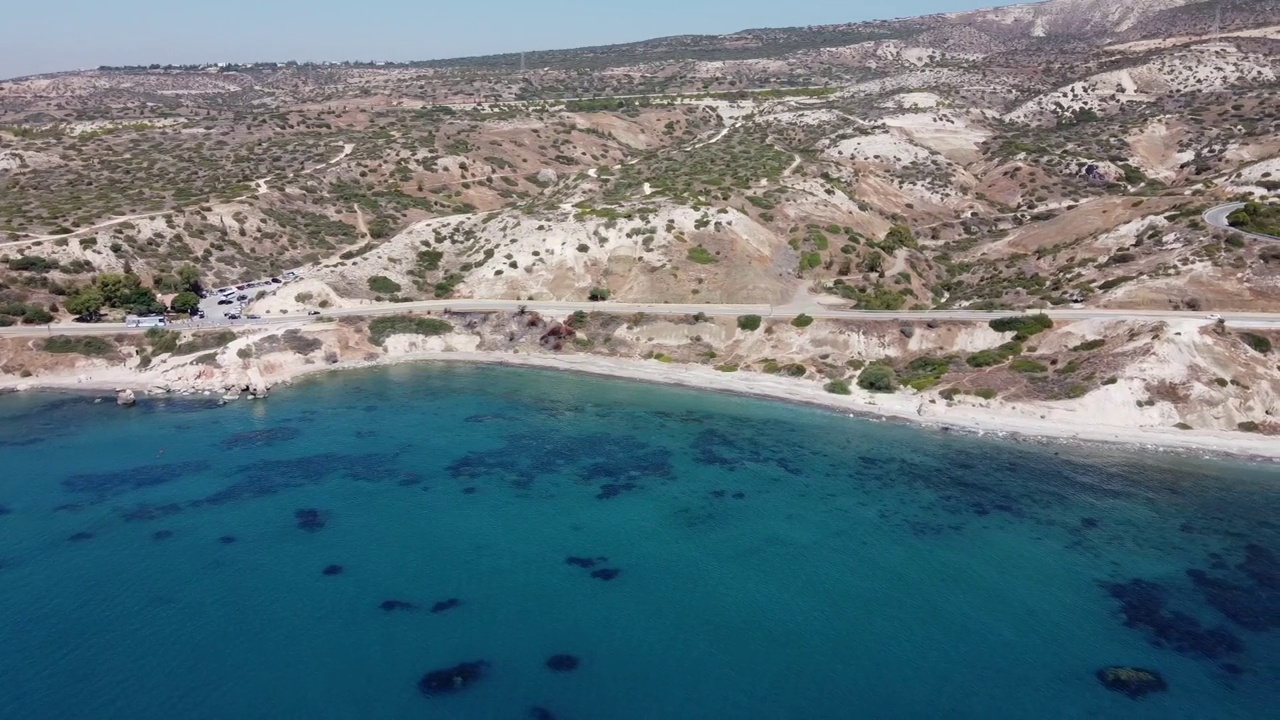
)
(700, 555)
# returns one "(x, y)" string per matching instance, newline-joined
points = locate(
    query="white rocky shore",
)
(965, 414)
(253, 364)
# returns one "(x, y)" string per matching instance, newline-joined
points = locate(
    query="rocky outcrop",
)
(126, 398)
(1132, 681)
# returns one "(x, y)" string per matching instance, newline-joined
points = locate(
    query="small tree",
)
(185, 302)
(85, 304)
(189, 276)
(750, 323)
(598, 294)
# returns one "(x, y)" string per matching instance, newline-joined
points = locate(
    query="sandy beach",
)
(966, 413)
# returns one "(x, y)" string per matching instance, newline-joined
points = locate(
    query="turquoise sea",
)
(315, 555)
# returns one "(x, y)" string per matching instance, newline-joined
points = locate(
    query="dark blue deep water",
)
(699, 555)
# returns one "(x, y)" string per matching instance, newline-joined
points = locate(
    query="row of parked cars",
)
(238, 295)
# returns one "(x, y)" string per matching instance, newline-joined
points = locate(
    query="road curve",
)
(1217, 217)
(565, 308)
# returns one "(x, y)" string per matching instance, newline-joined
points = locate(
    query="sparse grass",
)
(1027, 365)
(202, 342)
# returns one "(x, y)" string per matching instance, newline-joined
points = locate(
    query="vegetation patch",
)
(1023, 326)
(383, 285)
(1089, 345)
(89, 346)
(924, 372)
(1027, 365)
(838, 387)
(701, 255)
(384, 327)
(750, 323)
(203, 342)
(802, 321)
(996, 356)
(878, 377)
(1257, 342)
(1256, 217)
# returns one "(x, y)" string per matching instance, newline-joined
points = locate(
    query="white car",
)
(1215, 317)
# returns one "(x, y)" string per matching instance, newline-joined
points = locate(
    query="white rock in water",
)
(126, 398)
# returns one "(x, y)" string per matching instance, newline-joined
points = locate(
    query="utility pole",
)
(522, 66)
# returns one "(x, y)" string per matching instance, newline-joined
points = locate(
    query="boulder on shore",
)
(126, 398)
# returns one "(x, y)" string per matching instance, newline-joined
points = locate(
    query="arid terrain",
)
(1037, 157)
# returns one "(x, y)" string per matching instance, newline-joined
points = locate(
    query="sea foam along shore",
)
(967, 414)
(975, 416)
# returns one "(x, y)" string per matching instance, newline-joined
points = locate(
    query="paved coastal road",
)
(1217, 217)
(562, 309)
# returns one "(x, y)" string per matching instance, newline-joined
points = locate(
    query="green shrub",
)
(794, 370)
(1257, 342)
(1249, 426)
(750, 323)
(985, 358)
(727, 368)
(878, 377)
(384, 327)
(89, 345)
(838, 387)
(598, 294)
(701, 255)
(1024, 326)
(383, 285)
(986, 393)
(802, 321)
(1089, 345)
(161, 340)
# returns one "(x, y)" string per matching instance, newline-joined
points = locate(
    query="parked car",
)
(277, 281)
(313, 312)
(225, 301)
(253, 316)
(232, 315)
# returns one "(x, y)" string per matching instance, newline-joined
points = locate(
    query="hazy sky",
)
(39, 37)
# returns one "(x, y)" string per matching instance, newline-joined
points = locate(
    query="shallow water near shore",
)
(772, 561)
